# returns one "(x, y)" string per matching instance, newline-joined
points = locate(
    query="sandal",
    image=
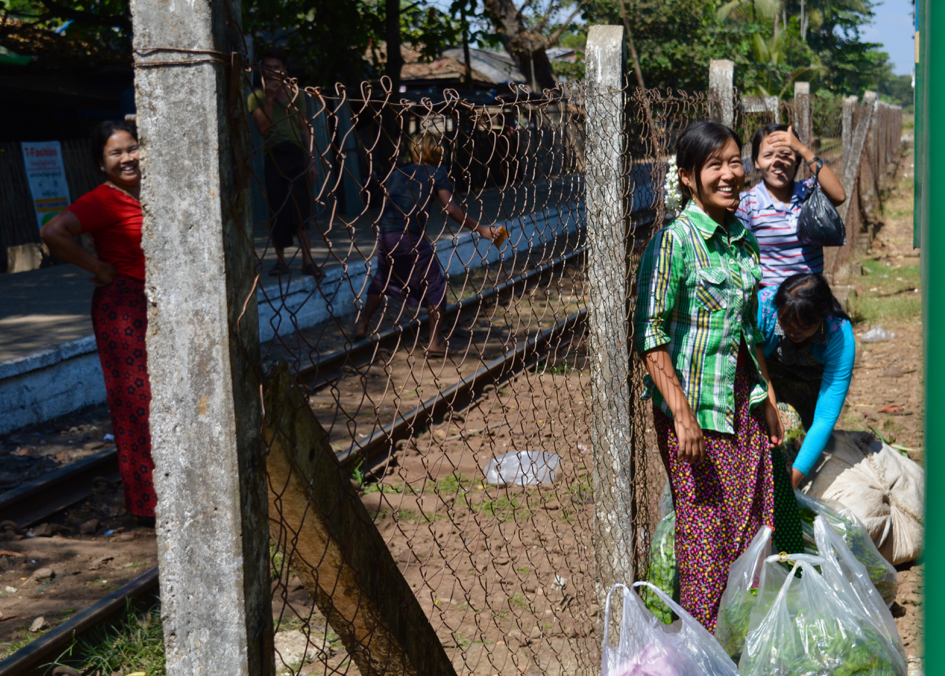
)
(279, 269)
(314, 271)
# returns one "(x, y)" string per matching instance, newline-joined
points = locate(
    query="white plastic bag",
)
(843, 572)
(856, 537)
(523, 468)
(809, 629)
(647, 647)
(741, 594)
(882, 487)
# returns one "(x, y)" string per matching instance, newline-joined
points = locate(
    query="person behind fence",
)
(714, 411)
(771, 209)
(810, 350)
(289, 163)
(406, 265)
(112, 214)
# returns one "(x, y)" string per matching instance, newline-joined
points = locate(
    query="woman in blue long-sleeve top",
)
(810, 350)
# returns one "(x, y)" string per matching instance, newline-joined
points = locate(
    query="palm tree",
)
(751, 10)
(773, 52)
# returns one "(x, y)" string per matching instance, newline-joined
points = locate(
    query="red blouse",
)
(114, 219)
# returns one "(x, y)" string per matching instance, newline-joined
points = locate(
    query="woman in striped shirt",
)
(771, 208)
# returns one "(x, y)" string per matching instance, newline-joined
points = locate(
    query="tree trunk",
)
(525, 46)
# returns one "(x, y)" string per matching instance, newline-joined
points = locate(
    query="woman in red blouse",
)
(112, 214)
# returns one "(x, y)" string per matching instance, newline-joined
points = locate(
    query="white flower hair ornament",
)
(671, 196)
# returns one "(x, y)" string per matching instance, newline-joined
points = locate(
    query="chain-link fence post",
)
(802, 121)
(202, 341)
(607, 309)
(851, 163)
(722, 90)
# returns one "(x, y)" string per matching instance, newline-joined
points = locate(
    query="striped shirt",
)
(697, 294)
(774, 225)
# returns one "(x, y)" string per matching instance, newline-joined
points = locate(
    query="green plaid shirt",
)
(697, 293)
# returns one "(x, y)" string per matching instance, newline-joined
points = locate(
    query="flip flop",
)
(314, 271)
(279, 269)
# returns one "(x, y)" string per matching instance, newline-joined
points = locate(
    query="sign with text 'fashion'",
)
(46, 173)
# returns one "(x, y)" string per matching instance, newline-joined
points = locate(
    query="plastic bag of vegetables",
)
(856, 537)
(662, 567)
(647, 647)
(741, 594)
(841, 570)
(811, 629)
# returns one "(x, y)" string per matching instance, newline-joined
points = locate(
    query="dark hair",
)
(806, 299)
(104, 131)
(698, 143)
(275, 53)
(760, 136)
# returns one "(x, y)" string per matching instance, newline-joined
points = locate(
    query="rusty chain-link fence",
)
(466, 467)
(455, 442)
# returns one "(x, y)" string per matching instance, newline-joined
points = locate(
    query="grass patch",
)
(136, 644)
(505, 509)
(7, 649)
(456, 483)
(886, 294)
(416, 517)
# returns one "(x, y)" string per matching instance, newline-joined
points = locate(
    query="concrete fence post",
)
(849, 107)
(203, 340)
(722, 90)
(802, 122)
(607, 276)
(851, 162)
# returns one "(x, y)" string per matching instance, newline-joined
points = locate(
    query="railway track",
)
(43, 498)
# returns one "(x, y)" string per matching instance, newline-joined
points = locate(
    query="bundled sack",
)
(812, 629)
(854, 535)
(662, 568)
(648, 647)
(882, 487)
(741, 594)
(843, 572)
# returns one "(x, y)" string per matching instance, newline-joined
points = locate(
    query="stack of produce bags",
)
(804, 615)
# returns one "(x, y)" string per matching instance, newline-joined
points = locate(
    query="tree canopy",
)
(772, 42)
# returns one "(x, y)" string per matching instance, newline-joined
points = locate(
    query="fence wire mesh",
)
(373, 217)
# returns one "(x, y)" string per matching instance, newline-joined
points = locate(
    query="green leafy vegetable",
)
(662, 567)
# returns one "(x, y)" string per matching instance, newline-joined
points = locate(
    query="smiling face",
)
(777, 166)
(120, 160)
(719, 181)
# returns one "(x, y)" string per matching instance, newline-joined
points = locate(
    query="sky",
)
(894, 28)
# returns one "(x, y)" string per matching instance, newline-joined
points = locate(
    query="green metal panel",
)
(932, 178)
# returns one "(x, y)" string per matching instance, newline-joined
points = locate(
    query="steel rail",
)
(38, 500)
(35, 658)
(330, 366)
(373, 449)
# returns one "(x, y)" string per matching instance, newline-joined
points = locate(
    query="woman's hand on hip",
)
(104, 275)
(690, 437)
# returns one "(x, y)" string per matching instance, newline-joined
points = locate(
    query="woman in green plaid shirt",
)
(715, 414)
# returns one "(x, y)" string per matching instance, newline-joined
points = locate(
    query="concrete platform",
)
(49, 363)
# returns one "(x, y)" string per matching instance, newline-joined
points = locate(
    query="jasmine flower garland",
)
(671, 197)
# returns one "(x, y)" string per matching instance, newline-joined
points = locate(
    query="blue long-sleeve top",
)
(837, 355)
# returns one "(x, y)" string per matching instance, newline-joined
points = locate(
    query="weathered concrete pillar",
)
(849, 107)
(607, 308)
(851, 168)
(722, 90)
(802, 123)
(203, 340)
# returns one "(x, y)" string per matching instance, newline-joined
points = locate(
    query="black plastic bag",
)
(819, 223)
